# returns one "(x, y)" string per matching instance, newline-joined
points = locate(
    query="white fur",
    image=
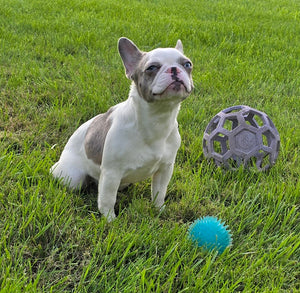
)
(142, 142)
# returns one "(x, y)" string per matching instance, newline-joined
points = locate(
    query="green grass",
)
(59, 66)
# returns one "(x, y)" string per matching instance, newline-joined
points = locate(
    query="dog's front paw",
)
(110, 217)
(108, 214)
(162, 208)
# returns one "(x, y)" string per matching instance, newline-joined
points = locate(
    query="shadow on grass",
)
(89, 194)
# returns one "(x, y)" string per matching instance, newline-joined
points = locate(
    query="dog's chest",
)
(142, 163)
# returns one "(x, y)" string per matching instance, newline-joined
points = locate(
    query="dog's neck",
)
(156, 119)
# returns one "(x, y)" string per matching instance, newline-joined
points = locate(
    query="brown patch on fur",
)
(144, 79)
(95, 136)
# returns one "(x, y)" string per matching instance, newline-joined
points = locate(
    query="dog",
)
(135, 139)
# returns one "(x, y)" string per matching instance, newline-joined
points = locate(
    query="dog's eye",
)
(152, 68)
(187, 65)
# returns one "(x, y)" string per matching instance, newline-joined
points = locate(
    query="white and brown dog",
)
(137, 138)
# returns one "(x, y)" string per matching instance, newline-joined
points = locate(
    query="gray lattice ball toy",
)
(241, 135)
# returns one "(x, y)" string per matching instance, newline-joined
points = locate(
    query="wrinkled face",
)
(163, 74)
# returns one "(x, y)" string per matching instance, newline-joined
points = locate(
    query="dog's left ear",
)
(179, 46)
(130, 55)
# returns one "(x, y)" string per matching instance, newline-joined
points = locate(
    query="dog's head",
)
(160, 74)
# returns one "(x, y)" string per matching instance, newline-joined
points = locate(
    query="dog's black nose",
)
(174, 71)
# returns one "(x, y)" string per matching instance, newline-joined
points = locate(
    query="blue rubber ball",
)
(210, 233)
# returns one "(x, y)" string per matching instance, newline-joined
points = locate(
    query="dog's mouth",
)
(177, 85)
(174, 86)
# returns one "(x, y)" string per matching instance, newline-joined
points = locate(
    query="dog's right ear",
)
(179, 46)
(130, 55)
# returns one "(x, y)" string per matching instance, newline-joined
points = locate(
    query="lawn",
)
(59, 66)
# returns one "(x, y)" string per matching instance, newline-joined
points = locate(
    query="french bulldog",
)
(135, 139)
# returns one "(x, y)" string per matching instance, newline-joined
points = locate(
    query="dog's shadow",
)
(89, 195)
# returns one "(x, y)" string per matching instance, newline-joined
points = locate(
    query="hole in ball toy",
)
(230, 123)
(253, 119)
(258, 119)
(217, 147)
(268, 137)
(220, 143)
(265, 140)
